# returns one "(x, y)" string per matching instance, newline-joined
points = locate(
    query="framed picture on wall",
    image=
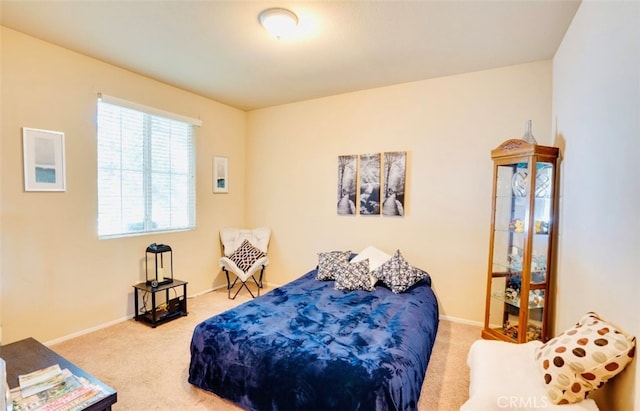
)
(394, 168)
(370, 184)
(44, 168)
(220, 174)
(347, 175)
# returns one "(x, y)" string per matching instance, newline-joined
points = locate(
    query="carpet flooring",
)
(149, 367)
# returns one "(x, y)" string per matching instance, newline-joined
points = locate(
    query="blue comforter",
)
(305, 346)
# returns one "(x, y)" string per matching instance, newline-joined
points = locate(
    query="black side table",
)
(157, 314)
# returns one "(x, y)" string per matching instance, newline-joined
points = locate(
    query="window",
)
(146, 177)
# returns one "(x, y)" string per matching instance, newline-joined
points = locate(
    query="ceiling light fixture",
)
(278, 22)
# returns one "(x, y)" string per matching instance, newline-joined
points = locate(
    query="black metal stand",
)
(154, 316)
(230, 285)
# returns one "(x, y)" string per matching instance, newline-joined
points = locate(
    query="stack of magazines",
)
(5, 399)
(54, 389)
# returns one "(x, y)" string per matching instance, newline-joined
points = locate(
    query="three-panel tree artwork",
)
(372, 184)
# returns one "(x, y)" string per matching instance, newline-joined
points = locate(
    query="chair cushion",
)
(246, 255)
(232, 238)
(583, 358)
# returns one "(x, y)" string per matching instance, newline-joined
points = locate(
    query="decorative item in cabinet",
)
(523, 215)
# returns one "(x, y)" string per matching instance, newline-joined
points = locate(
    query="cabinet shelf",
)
(533, 285)
(520, 243)
(503, 230)
(516, 302)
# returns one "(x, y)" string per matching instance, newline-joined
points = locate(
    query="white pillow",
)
(376, 259)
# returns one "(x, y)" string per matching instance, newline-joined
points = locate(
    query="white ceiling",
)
(218, 49)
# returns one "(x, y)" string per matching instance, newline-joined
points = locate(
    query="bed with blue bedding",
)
(308, 346)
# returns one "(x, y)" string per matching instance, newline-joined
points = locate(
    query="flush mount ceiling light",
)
(278, 22)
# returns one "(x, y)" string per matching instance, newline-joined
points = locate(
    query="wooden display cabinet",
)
(523, 215)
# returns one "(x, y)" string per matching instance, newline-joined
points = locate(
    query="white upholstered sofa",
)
(505, 376)
(558, 375)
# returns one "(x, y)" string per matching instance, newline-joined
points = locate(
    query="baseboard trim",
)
(461, 320)
(116, 321)
(88, 330)
(128, 317)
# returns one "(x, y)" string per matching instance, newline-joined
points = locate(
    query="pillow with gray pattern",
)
(354, 276)
(397, 274)
(328, 263)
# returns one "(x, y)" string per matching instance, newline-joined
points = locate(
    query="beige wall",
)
(1, 214)
(52, 258)
(57, 277)
(596, 121)
(447, 125)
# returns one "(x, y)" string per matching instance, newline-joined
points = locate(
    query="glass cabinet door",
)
(510, 210)
(540, 250)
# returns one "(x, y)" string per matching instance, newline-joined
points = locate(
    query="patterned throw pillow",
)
(583, 358)
(246, 255)
(329, 262)
(354, 276)
(398, 274)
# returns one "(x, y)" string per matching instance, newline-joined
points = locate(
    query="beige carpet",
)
(149, 367)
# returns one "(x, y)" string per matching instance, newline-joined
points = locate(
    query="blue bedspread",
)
(305, 346)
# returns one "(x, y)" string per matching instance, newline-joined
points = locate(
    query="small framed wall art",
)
(220, 174)
(370, 184)
(347, 176)
(395, 170)
(44, 163)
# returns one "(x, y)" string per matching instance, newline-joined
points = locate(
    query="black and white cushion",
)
(329, 262)
(354, 276)
(246, 255)
(397, 274)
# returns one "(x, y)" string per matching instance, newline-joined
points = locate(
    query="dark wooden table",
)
(28, 355)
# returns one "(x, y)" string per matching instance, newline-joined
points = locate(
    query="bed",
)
(307, 346)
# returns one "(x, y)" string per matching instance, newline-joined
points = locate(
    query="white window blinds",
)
(146, 177)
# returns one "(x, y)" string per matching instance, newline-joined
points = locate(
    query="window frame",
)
(147, 126)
